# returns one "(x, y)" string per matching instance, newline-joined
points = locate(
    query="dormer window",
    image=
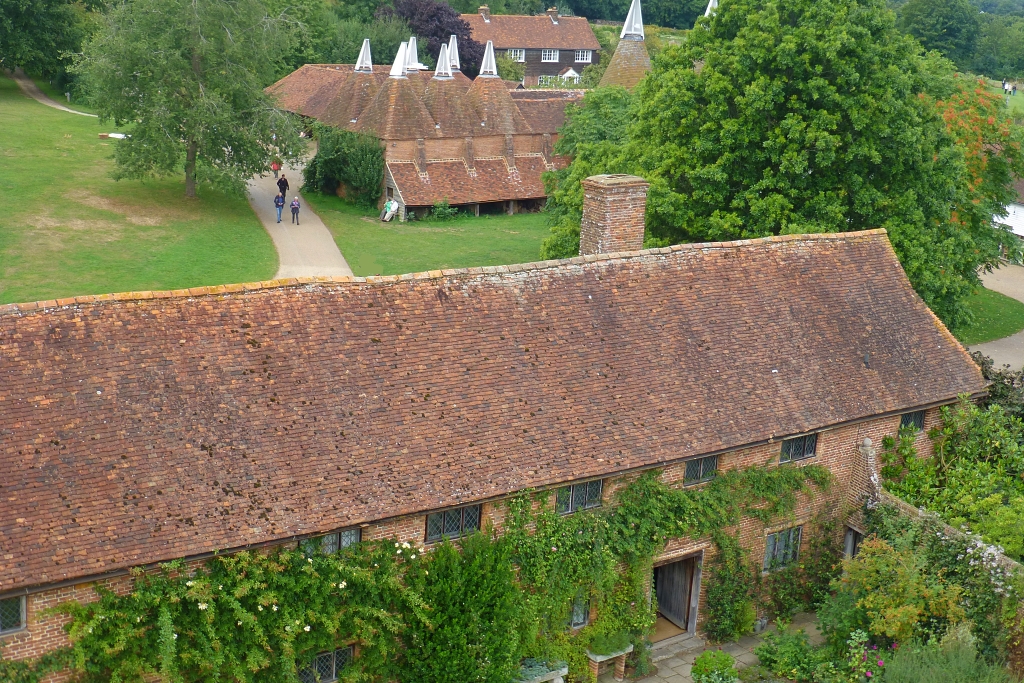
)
(570, 499)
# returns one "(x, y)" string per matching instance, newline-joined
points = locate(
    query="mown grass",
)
(375, 248)
(68, 229)
(995, 316)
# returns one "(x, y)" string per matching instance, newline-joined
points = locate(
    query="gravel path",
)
(32, 90)
(303, 250)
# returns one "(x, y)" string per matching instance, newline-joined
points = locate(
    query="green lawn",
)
(375, 248)
(1016, 102)
(995, 316)
(55, 93)
(69, 229)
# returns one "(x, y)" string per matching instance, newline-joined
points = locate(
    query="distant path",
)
(1008, 279)
(304, 250)
(32, 90)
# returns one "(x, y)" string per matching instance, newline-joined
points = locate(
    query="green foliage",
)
(954, 660)
(730, 613)
(249, 617)
(476, 610)
(900, 597)
(712, 666)
(1000, 47)
(976, 477)
(22, 671)
(807, 116)
(353, 160)
(949, 26)
(188, 75)
(509, 69)
(40, 35)
(789, 653)
(443, 211)
(607, 643)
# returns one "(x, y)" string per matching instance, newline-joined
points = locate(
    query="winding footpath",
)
(1008, 279)
(304, 250)
(32, 90)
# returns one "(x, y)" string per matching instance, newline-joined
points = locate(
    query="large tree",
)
(813, 116)
(436, 22)
(187, 78)
(949, 26)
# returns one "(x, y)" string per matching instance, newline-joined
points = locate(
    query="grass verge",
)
(995, 316)
(69, 229)
(375, 248)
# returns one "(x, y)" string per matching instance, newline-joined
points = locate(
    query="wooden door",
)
(673, 584)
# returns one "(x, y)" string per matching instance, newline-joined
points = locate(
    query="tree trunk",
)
(190, 170)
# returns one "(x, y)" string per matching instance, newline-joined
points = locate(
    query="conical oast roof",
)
(444, 67)
(495, 108)
(397, 112)
(448, 103)
(629, 64)
(412, 56)
(358, 93)
(398, 67)
(633, 29)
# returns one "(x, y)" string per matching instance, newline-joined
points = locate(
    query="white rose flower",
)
(306, 628)
(202, 605)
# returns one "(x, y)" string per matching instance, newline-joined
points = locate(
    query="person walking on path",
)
(282, 184)
(279, 205)
(275, 167)
(295, 211)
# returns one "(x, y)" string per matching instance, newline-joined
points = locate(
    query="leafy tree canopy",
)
(39, 35)
(188, 77)
(949, 26)
(811, 116)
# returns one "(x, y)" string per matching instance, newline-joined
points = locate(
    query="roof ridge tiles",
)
(220, 290)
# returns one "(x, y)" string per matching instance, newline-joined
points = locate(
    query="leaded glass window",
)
(326, 666)
(799, 447)
(332, 543)
(782, 548)
(580, 615)
(700, 470)
(914, 419)
(569, 499)
(12, 614)
(453, 523)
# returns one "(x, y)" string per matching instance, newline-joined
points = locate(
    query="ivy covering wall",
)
(472, 611)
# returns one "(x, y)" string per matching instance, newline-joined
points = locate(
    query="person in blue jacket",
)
(279, 204)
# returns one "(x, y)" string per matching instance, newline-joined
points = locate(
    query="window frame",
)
(462, 533)
(785, 457)
(339, 542)
(516, 54)
(702, 473)
(587, 56)
(547, 52)
(792, 548)
(583, 601)
(22, 615)
(914, 418)
(334, 664)
(588, 504)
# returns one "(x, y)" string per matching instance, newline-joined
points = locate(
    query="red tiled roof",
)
(494, 106)
(545, 115)
(148, 426)
(305, 91)
(397, 112)
(537, 32)
(629, 64)
(451, 181)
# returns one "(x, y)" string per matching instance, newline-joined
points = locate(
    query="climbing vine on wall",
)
(257, 617)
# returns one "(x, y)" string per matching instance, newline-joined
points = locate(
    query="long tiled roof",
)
(451, 181)
(147, 426)
(533, 32)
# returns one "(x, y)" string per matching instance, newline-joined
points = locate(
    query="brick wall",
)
(613, 214)
(837, 449)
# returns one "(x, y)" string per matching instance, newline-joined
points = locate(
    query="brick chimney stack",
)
(613, 214)
(485, 12)
(553, 14)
